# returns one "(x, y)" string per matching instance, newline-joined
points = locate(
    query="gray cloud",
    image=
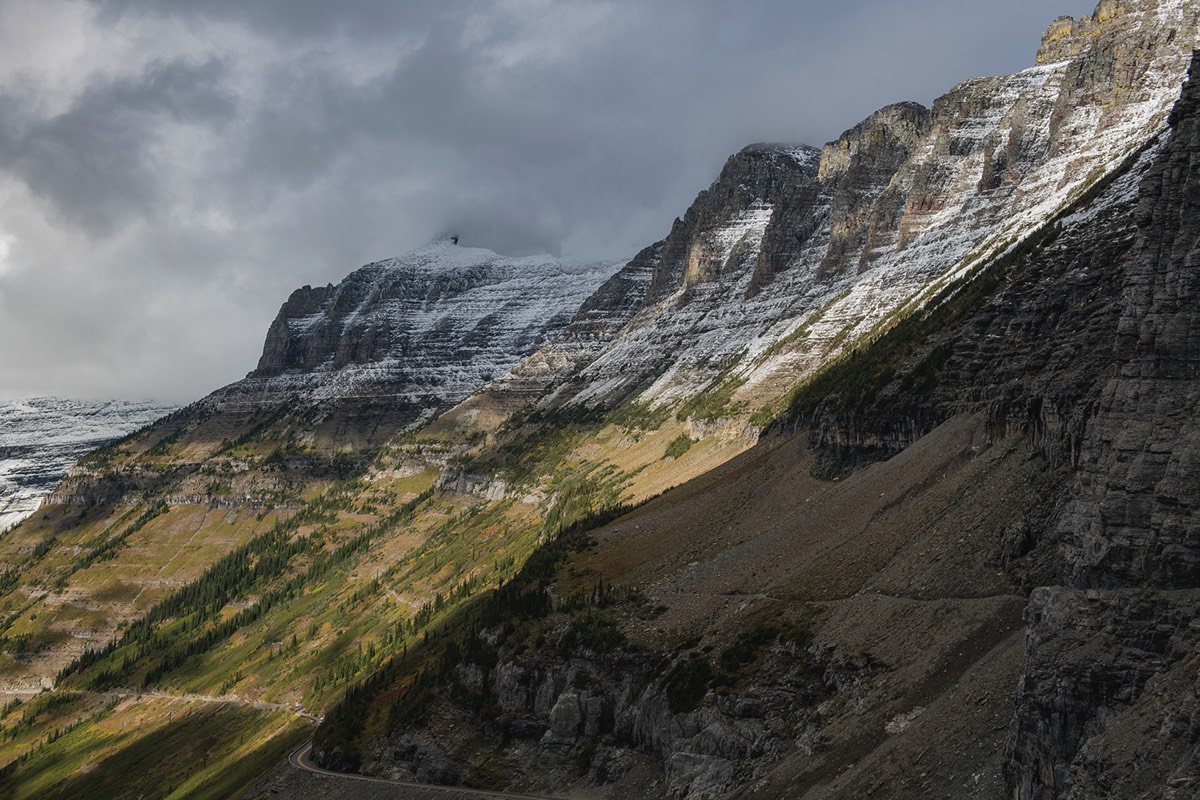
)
(169, 174)
(96, 162)
(319, 19)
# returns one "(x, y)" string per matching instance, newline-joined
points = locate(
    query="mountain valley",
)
(874, 478)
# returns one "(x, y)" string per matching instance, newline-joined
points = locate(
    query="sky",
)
(170, 170)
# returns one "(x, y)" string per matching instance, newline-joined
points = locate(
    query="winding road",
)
(416, 791)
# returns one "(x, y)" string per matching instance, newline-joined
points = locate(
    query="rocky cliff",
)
(1108, 701)
(1086, 350)
(794, 253)
(997, 598)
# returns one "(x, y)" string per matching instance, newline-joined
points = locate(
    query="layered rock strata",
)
(1112, 652)
(42, 438)
(792, 254)
(425, 329)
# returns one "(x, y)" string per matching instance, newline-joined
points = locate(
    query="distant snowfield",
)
(42, 438)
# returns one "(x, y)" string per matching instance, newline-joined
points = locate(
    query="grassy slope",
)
(358, 578)
(161, 747)
(324, 634)
(351, 577)
(891, 571)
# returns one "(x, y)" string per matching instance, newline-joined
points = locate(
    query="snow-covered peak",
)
(423, 330)
(447, 255)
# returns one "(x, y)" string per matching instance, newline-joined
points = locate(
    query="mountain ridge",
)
(935, 193)
(295, 539)
(900, 609)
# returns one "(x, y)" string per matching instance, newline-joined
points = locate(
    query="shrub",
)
(678, 446)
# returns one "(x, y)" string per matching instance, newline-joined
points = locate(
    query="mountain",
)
(996, 598)
(871, 478)
(422, 331)
(41, 438)
(345, 368)
(794, 253)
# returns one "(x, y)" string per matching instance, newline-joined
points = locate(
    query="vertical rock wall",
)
(1108, 705)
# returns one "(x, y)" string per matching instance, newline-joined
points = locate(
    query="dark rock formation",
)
(758, 177)
(1087, 344)
(1129, 614)
(1093, 659)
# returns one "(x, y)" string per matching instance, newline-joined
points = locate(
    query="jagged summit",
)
(1067, 38)
(802, 153)
(877, 141)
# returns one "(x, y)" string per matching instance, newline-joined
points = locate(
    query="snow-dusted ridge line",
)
(425, 329)
(999, 157)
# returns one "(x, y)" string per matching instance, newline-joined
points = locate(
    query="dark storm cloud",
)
(636, 103)
(302, 18)
(215, 154)
(95, 162)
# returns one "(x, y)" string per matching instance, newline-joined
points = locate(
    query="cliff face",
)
(1087, 350)
(1006, 606)
(790, 255)
(1111, 664)
(721, 235)
(1133, 521)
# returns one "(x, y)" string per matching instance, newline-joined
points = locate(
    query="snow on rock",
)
(425, 329)
(42, 438)
(795, 253)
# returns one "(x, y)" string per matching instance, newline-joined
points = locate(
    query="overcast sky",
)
(171, 170)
